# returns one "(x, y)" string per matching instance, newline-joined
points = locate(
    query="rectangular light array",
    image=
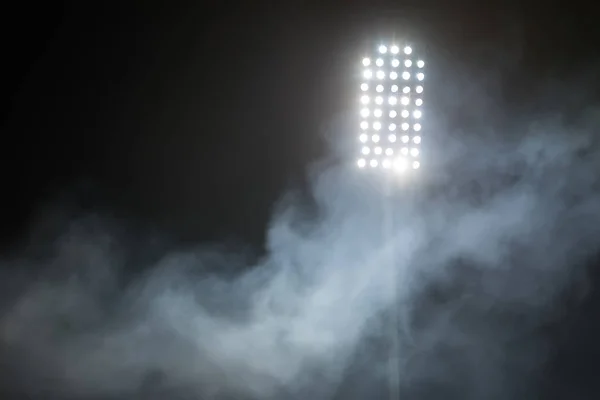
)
(391, 103)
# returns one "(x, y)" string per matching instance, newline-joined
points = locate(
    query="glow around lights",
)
(390, 109)
(400, 164)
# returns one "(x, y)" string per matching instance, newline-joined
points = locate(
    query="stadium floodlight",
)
(389, 143)
(391, 114)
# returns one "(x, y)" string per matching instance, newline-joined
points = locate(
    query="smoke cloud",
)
(484, 247)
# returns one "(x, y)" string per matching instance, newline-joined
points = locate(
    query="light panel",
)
(390, 108)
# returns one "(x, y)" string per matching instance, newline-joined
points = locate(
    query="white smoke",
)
(481, 260)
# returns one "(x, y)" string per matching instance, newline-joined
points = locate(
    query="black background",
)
(159, 112)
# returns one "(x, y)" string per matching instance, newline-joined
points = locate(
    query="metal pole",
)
(388, 237)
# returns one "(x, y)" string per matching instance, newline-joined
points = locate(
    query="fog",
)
(485, 244)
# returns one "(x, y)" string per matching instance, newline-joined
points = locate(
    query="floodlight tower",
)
(391, 100)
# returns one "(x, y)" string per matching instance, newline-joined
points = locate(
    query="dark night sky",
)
(193, 120)
(170, 110)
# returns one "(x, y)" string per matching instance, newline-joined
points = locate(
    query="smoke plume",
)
(483, 246)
